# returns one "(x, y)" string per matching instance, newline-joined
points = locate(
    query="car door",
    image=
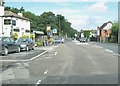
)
(7, 43)
(12, 44)
(30, 43)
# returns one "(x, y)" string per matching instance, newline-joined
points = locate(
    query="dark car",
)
(83, 39)
(7, 45)
(26, 44)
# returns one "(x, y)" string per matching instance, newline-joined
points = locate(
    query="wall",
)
(21, 24)
(1, 14)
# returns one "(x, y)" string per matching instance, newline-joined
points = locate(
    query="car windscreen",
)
(22, 40)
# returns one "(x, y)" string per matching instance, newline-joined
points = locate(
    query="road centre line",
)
(38, 82)
(46, 72)
(55, 53)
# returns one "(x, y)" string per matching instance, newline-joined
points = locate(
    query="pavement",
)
(69, 63)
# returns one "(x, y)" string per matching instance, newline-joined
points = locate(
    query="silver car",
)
(26, 44)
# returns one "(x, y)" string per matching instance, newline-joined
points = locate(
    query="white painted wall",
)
(1, 10)
(0, 26)
(21, 24)
(1, 14)
(108, 26)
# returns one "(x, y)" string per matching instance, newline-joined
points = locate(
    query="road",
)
(69, 63)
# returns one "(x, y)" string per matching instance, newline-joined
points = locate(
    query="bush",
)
(15, 36)
(39, 43)
(24, 36)
(32, 36)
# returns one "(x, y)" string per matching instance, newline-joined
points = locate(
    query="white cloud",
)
(86, 22)
(66, 11)
(98, 8)
(78, 20)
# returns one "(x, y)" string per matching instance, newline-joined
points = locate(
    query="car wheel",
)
(5, 51)
(18, 49)
(33, 48)
(27, 48)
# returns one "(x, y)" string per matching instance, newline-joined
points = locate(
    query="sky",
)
(83, 14)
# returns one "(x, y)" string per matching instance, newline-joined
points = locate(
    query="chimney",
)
(98, 28)
(20, 14)
(1, 10)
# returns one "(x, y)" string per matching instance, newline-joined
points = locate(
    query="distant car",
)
(7, 45)
(59, 40)
(62, 40)
(26, 44)
(83, 39)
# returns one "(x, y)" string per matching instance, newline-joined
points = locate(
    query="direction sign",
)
(54, 30)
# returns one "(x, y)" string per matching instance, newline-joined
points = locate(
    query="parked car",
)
(26, 44)
(83, 39)
(59, 40)
(7, 45)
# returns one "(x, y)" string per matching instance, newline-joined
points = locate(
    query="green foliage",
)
(24, 36)
(39, 43)
(87, 33)
(32, 36)
(15, 36)
(40, 22)
(114, 33)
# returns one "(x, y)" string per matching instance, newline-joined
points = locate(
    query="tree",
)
(87, 33)
(41, 22)
(114, 32)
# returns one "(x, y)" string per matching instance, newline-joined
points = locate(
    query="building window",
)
(105, 31)
(7, 21)
(17, 30)
(27, 31)
(14, 22)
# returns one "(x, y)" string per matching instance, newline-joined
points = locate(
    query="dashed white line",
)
(38, 82)
(55, 53)
(46, 72)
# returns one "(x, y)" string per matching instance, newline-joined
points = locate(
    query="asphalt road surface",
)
(69, 63)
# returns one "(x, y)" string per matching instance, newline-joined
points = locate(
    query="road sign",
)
(54, 30)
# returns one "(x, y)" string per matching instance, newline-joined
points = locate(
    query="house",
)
(93, 33)
(105, 31)
(11, 23)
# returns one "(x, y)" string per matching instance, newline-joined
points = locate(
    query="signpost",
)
(54, 31)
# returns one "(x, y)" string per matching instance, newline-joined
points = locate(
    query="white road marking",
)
(82, 43)
(95, 46)
(55, 53)
(24, 60)
(46, 72)
(38, 82)
(107, 50)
